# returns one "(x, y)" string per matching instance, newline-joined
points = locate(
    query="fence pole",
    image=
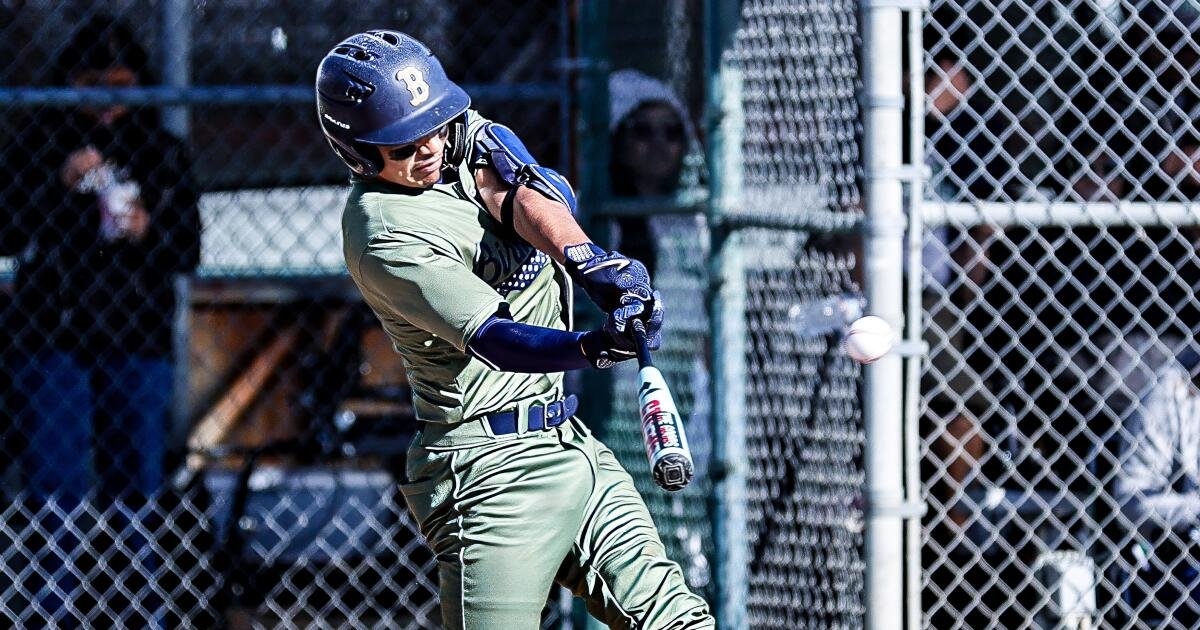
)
(883, 264)
(913, 325)
(175, 53)
(726, 307)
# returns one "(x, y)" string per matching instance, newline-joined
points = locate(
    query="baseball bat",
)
(662, 428)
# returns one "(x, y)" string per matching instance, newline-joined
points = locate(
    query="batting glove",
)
(609, 278)
(615, 341)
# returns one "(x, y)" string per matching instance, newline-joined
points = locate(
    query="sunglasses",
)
(671, 132)
(403, 153)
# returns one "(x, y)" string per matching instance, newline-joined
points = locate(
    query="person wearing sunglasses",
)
(650, 139)
(465, 248)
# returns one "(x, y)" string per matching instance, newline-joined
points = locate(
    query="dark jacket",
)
(74, 290)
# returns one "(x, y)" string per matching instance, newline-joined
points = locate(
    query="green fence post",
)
(726, 304)
(591, 180)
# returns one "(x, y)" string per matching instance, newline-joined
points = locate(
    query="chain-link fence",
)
(1059, 402)
(199, 418)
(654, 88)
(785, 453)
(799, 81)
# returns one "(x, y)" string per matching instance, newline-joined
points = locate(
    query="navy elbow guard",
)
(498, 147)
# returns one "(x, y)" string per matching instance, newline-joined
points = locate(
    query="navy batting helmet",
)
(382, 88)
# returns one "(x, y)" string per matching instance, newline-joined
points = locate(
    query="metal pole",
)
(884, 257)
(726, 307)
(175, 51)
(913, 328)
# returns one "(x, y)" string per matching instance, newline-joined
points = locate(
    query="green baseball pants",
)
(508, 516)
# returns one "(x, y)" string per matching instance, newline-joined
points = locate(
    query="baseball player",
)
(465, 248)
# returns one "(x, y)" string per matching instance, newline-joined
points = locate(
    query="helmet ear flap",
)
(358, 157)
(457, 144)
(370, 157)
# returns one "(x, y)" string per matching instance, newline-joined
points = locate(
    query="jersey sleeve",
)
(430, 286)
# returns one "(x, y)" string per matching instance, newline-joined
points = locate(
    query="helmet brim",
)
(452, 104)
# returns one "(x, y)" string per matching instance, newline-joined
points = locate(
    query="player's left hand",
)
(620, 321)
(610, 279)
(615, 341)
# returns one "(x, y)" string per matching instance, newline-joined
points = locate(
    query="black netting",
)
(1060, 300)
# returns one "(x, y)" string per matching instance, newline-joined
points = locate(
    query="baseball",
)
(868, 338)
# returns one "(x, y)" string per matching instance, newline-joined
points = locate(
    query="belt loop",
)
(537, 417)
(521, 415)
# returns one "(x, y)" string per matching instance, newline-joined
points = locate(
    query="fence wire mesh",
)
(798, 79)
(1059, 402)
(805, 443)
(199, 419)
(797, 82)
(796, 71)
(655, 89)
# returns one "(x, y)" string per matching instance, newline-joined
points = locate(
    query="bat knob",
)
(673, 472)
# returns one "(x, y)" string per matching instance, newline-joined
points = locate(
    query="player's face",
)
(416, 165)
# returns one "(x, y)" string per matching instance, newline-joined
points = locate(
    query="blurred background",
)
(202, 424)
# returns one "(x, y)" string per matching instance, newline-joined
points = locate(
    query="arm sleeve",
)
(1144, 487)
(425, 283)
(509, 346)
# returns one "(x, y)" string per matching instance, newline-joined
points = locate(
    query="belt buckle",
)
(551, 415)
(554, 413)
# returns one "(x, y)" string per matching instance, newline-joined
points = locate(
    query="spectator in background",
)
(1179, 170)
(1159, 492)
(655, 154)
(956, 394)
(651, 137)
(101, 212)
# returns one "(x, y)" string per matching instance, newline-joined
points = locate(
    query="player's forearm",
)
(546, 224)
(509, 346)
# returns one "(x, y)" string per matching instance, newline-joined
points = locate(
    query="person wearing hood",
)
(651, 138)
(102, 214)
(655, 153)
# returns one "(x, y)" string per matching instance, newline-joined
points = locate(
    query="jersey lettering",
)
(414, 80)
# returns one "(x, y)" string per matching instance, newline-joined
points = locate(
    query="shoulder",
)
(375, 219)
(476, 122)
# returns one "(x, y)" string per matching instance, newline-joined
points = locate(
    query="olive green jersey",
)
(434, 265)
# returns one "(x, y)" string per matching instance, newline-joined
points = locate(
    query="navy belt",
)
(541, 417)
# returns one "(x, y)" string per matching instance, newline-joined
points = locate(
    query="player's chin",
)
(428, 175)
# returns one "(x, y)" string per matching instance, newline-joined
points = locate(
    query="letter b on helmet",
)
(382, 88)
